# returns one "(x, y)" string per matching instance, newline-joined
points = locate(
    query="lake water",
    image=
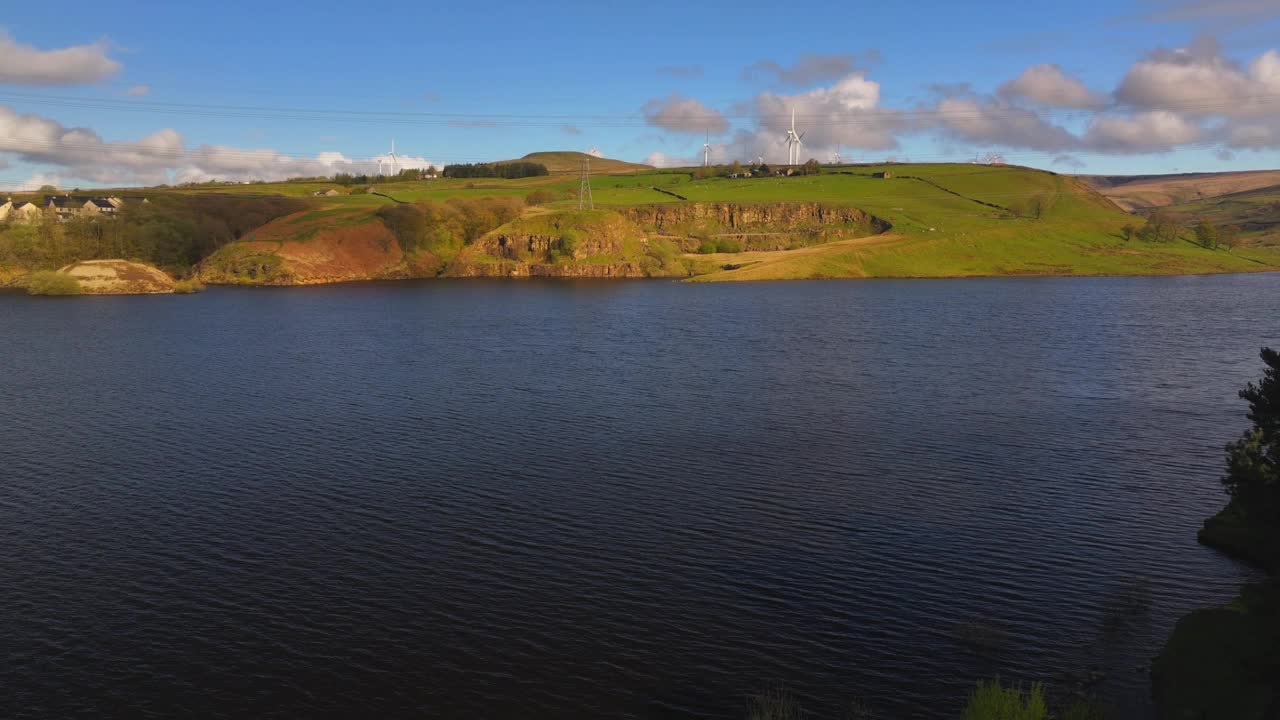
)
(608, 499)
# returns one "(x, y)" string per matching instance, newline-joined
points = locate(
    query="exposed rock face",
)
(286, 255)
(740, 216)
(520, 269)
(118, 277)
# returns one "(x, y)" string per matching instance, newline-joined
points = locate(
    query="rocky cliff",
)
(759, 226)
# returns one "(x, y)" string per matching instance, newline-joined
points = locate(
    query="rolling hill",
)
(895, 220)
(1140, 192)
(568, 161)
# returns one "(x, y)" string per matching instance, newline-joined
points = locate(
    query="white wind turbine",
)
(706, 151)
(793, 141)
(835, 158)
(394, 171)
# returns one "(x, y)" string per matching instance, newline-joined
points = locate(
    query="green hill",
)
(939, 220)
(568, 161)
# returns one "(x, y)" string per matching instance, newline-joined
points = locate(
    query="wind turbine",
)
(393, 157)
(379, 161)
(706, 150)
(836, 157)
(793, 141)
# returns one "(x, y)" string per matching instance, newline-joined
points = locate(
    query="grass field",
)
(946, 220)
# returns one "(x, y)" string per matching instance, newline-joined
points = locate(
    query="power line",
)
(1207, 105)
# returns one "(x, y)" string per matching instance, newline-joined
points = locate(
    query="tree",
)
(1253, 461)
(811, 167)
(1229, 236)
(1207, 234)
(1160, 227)
(47, 190)
(1129, 231)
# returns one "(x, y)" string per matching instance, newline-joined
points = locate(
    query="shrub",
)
(52, 283)
(187, 287)
(1253, 461)
(541, 196)
(719, 245)
(775, 703)
(993, 701)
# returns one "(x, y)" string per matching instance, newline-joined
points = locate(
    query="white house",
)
(23, 212)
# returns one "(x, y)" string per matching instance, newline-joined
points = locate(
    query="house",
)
(325, 193)
(99, 207)
(23, 212)
(5, 208)
(66, 207)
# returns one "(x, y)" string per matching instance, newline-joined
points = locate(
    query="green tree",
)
(1253, 461)
(1207, 234)
(1129, 231)
(1229, 236)
(811, 167)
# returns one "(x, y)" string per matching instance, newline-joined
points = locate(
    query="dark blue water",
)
(628, 499)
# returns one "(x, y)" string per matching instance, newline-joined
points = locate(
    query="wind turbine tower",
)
(706, 151)
(394, 171)
(793, 141)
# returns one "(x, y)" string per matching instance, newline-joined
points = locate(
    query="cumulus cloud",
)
(161, 156)
(1048, 85)
(846, 113)
(26, 65)
(1251, 136)
(992, 122)
(663, 160)
(807, 70)
(684, 114)
(1199, 80)
(138, 91)
(1144, 132)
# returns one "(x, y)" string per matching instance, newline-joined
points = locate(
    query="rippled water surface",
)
(629, 499)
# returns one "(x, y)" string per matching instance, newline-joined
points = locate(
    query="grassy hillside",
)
(568, 161)
(1139, 192)
(1255, 212)
(937, 220)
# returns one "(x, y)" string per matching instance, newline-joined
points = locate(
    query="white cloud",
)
(845, 113)
(998, 123)
(138, 91)
(663, 160)
(1200, 81)
(1144, 132)
(1047, 85)
(162, 156)
(684, 114)
(26, 65)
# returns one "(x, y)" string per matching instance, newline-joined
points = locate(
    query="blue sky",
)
(153, 92)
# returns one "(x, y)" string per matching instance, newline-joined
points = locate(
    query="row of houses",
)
(63, 207)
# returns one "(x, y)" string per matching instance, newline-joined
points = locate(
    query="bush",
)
(775, 703)
(539, 197)
(187, 287)
(1253, 461)
(52, 283)
(719, 245)
(993, 701)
